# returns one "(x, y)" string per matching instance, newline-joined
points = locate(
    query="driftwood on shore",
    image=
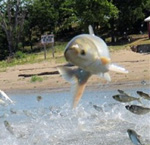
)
(43, 73)
(39, 74)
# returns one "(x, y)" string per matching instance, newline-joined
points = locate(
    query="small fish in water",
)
(125, 98)
(5, 115)
(143, 82)
(91, 54)
(3, 94)
(2, 102)
(134, 137)
(98, 108)
(39, 98)
(137, 109)
(144, 95)
(27, 113)
(13, 111)
(121, 91)
(8, 127)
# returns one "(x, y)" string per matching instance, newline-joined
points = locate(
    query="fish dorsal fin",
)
(121, 91)
(91, 32)
(78, 78)
(124, 93)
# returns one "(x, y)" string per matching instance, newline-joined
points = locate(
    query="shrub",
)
(20, 55)
(36, 79)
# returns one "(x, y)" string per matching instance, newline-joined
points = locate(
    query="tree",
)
(42, 15)
(67, 14)
(131, 13)
(42, 18)
(95, 12)
(3, 44)
(12, 17)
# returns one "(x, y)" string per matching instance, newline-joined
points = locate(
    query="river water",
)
(52, 121)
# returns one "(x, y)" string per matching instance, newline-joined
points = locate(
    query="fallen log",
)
(39, 74)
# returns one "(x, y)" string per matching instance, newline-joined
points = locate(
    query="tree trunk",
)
(30, 39)
(13, 29)
(10, 47)
(112, 31)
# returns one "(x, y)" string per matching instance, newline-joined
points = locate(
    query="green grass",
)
(3, 69)
(36, 79)
(116, 47)
(28, 59)
(24, 58)
(135, 40)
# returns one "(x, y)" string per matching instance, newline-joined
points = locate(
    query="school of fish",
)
(90, 55)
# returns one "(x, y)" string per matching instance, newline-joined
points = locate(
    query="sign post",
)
(45, 39)
(148, 25)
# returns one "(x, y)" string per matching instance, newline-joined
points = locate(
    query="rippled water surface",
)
(52, 121)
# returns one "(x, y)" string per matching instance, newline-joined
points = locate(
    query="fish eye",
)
(82, 52)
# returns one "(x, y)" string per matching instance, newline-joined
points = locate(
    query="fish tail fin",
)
(117, 68)
(139, 100)
(78, 78)
(78, 91)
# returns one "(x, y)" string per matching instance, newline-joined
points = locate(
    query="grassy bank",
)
(25, 58)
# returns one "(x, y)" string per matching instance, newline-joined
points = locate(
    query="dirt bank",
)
(138, 65)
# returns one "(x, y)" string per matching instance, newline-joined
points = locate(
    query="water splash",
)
(42, 124)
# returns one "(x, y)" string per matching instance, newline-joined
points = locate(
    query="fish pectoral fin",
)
(117, 68)
(67, 74)
(107, 77)
(139, 100)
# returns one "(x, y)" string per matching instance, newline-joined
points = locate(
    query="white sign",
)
(47, 39)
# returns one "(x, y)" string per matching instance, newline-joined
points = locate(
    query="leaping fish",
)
(144, 95)
(136, 109)
(91, 55)
(124, 97)
(134, 137)
(4, 95)
(9, 127)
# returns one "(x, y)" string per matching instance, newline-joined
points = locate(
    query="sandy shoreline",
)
(138, 65)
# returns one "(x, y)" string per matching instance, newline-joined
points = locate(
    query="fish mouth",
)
(114, 96)
(127, 107)
(139, 92)
(129, 131)
(70, 51)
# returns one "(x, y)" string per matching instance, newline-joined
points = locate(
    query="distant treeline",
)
(24, 21)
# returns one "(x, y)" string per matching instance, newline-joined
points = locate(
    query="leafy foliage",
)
(24, 21)
(20, 55)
